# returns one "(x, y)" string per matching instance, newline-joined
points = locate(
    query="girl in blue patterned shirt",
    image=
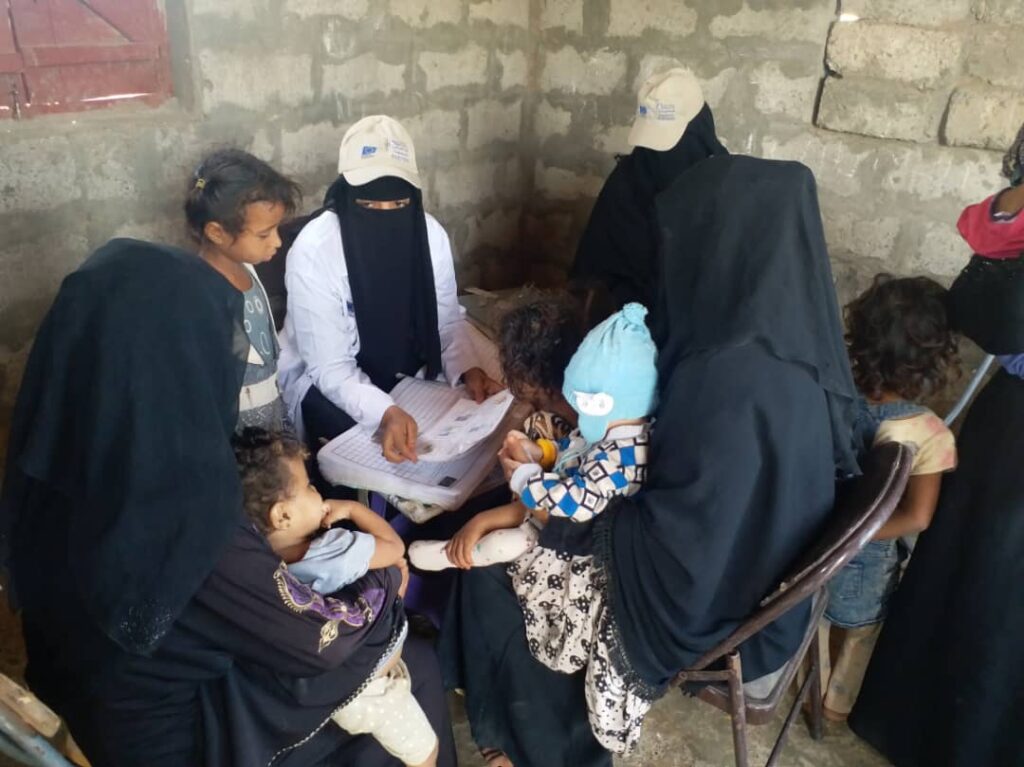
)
(234, 205)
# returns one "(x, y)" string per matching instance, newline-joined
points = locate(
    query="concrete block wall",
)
(453, 71)
(517, 108)
(926, 72)
(904, 127)
(283, 79)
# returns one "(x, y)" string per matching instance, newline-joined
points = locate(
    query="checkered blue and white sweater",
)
(586, 477)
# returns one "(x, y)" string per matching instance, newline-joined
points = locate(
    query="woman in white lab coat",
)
(372, 297)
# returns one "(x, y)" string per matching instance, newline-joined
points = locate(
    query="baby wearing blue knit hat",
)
(612, 376)
(611, 382)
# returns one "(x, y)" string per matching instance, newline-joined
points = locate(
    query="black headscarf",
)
(619, 247)
(119, 469)
(391, 275)
(745, 259)
(755, 419)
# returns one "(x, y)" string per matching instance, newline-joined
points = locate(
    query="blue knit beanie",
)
(612, 376)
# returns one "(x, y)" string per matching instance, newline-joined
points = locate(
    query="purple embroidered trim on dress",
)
(301, 598)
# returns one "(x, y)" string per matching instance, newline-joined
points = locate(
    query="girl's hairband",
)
(200, 183)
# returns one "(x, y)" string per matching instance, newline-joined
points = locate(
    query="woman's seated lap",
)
(610, 383)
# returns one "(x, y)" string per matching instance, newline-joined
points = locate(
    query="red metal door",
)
(83, 54)
(11, 64)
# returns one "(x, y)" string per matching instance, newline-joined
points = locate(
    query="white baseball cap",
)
(375, 147)
(665, 106)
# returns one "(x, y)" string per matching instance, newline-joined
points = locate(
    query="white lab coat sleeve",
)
(326, 335)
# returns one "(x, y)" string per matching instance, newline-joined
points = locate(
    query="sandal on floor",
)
(493, 755)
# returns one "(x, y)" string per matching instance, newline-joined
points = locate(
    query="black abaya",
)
(537, 716)
(125, 409)
(157, 621)
(241, 675)
(945, 687)
(746, 470)
(619, 246)
(753, 423)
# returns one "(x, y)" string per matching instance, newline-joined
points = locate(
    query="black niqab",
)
(754, 421)
(391, 276)
(119, 468)
(619, 247)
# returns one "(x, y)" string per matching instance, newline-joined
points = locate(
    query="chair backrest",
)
(863, 505)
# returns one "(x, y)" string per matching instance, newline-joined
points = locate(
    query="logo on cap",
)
(369, 151)
(666, 111)
(398, 150)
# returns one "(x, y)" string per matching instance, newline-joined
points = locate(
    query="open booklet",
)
(457, 447)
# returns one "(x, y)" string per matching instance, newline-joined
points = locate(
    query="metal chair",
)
(862, 507)
(26, 727)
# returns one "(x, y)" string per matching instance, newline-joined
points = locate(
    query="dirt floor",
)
(679, 732)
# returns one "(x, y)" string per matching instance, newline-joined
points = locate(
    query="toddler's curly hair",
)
(262, 464)
(899, 338)
(537, 339)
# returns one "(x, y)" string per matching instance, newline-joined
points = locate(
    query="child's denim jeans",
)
(859, 594)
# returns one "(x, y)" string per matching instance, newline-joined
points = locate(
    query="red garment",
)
(991, 234)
